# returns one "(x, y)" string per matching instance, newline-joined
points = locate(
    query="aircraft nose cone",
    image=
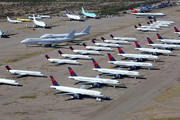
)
(23, 41)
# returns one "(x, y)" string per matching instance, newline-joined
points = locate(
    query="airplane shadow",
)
(7, 36)
(11, 85)
(82, 97)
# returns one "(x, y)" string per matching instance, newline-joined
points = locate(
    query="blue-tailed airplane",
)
(88, 14)
(3, 33)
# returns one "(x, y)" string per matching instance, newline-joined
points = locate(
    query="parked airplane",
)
(123, 38)
(96, 48)
(176, 31)
(94, 82)
(171, 22)
(130, 65)
(38, 17)
(145, 29)
(151, 27)
(3, 33)
(105, 44)
(82, 33)
(60, 61)
(39, 23)
(48, 42)
(149, 15)
(167, 46)
(167, 40)
(76, 92)
(13, 21)
(116, 73)
(72, 17)
(23, 20)
(115, 41)
(72, 56)
(8, 81)
(158, 24)
(151, 50)
(88, 14)
(84, 51)
(44, 16)
(138, 57)
(23, 72)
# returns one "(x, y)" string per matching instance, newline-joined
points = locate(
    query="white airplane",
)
(48, 42)
(38, 17)
(94, 82)
(151, 27)
(85, 51)
(13, 21)
(167, 40)
(150, 15)
(105, 44)
(3, 33)
(116, 73)
(44, 16)
(60, 61)
(176, 31)
(167, 46)
(8, 81)
(72, 17)
(39, 23)
(151, 50)
(130, 65)
(73, 56)
(157, 24)
(88, 14)
(171, 22)
(115, 41)
(96, 48)
(82, 33)
(138, 57)
(23, 72)
(123, 38)
(145, 29)
(76, 92)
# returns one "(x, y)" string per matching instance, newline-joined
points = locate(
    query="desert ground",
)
(154, 95)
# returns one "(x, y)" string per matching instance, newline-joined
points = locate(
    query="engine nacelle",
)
(96, 85)
(54, 45)
(133, 67)
(140, 59)
(75, 96)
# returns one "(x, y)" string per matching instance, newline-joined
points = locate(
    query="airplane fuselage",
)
(45, 36)
(164, 45)
(98, 48)
(86, 52)
(125, 38)
(76, 56)
(169, 40)
(62, 61)
(8, 81)
(117, 42)
(125, 63)
(107, 45)
(154, 50)
(23, 72)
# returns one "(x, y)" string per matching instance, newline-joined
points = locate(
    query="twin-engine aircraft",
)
(72, 17)
(123, 38)
(23, 72)
(84, 52)
(174, 41)
(97, 48)
(105, 44)
(13, 21)
(130, 65)
(138, 57)
(94, 82)
(76, 92)
(8, 81)
(115, 41)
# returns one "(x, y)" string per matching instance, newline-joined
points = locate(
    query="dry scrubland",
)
(155, 95)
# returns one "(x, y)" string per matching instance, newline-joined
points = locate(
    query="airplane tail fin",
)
(71, 34)
(135, 26)
(111, 58)
(137, 44)
(87, 29)
(139, 24)
(83, 10)
(151, 21)
(8, 18)
(7, 67)
(71, 47)
(93, 41)
(47, 57)
(148, 23)
(176, 30)
(133, 11)
(149, 41)
(112, 36)
(120, 50)
(67, 11)
(155, 19)
(60, 53)
(159, 36)
(84, 44)
(17, 18)
(33, 17)
(54, 82)
(95, 64)
(102, 38)
(71, 72)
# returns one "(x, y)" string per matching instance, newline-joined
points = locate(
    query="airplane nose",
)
(23, 41)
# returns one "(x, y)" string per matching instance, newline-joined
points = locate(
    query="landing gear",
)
(98, 99)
